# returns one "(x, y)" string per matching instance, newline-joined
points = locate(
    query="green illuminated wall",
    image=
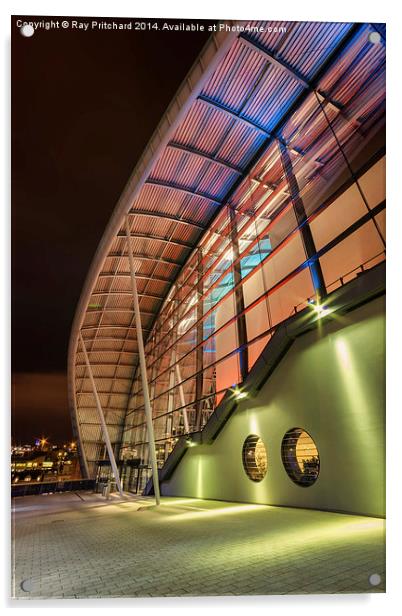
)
(331, 383)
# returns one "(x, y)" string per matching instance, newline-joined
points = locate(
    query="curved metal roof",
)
(227, 113)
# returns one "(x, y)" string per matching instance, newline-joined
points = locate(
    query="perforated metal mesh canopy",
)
(219, 142)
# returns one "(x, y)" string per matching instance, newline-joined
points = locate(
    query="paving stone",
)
(95, 549)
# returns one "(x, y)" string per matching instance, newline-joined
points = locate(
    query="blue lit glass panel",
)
(258, 254)
(214, 297)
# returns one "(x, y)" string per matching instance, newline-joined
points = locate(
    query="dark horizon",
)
(84, 105)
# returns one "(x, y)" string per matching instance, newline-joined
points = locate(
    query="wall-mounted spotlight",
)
(319, 309)
(239, 394)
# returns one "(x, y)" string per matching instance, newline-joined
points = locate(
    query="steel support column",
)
(143, 368)
(301, 218)
(169, 416)
(176, 375)
(199, 379)
(102, 419)
(152, 394)
(239, 298)
(182, 398)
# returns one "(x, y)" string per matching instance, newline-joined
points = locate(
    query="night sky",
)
(84, 105)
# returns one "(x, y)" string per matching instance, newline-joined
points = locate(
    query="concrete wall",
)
(331, 383)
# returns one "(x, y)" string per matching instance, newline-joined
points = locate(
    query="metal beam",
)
(143, 370)
(114, 338)
(326, 65)
(296, 104)
(147, 295)
(183, 189)
(101, 363)
(139, 277)
(109, 409)
(351, 170)
(158, 238)
(283, 66)
(95, 423)
(174, 219)
(109, 350)
(302, 222)
(102, 419)
(92, 327)
(207, 157)
(181, 394)
(170, 416)
(233, 114)
(241, 325)
(295, 75)
(108, 392)
(269, 135)
(109, 380)
(98, 327)
(142, 257)
(118, 311)
(199, 354)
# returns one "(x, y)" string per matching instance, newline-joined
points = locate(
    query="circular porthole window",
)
(255, 458)
(300, 457)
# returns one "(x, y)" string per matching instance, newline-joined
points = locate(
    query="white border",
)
(312, 10)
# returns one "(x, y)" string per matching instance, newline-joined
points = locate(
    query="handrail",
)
(48, 487)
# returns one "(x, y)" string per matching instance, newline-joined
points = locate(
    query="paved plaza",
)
(78, 545)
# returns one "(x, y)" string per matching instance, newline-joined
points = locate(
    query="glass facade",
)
(255, 267)
(269, 195)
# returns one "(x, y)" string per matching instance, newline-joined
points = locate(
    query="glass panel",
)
(372, 183)
(337, 217)
(285, 260)
(258, 320)
(345, 260)
(290, 297)
(255, 349)
(381, 222)
(226, 341)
